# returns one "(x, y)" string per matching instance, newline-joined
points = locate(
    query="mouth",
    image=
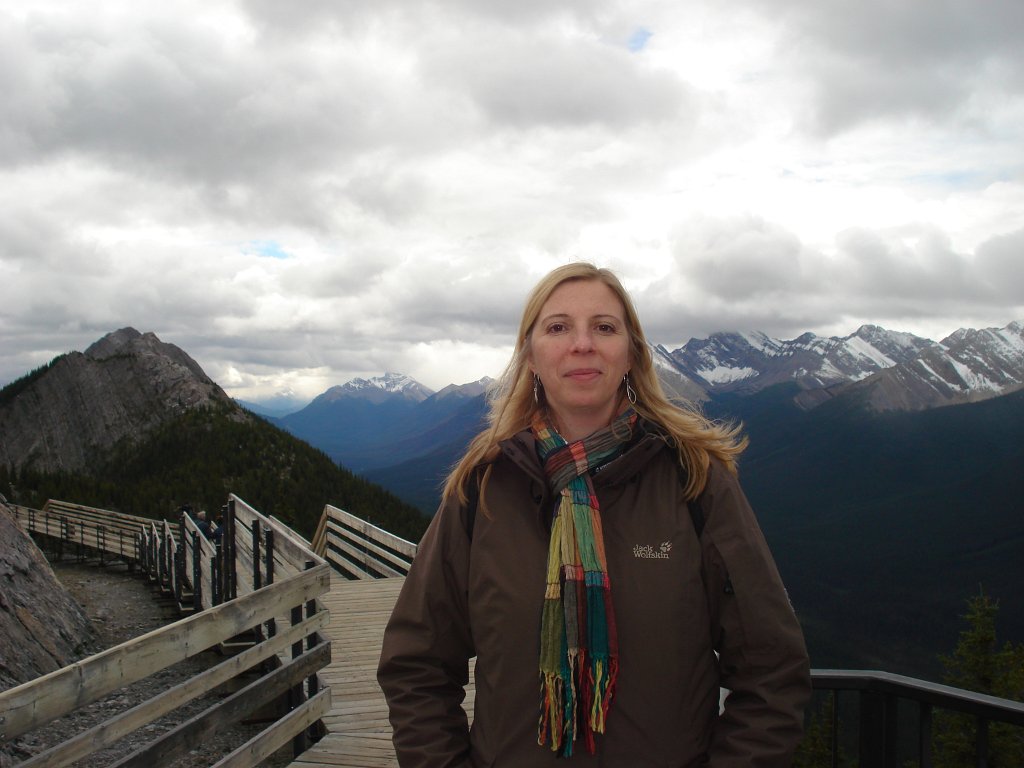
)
(583, 374)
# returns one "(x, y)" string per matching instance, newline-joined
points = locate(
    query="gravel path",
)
(123, 606)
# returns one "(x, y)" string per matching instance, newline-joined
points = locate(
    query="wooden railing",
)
(358, 549)
(262, 577)
(77, 529)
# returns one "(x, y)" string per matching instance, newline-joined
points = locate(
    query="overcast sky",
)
(301, 193)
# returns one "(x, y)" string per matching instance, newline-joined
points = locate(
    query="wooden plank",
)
(370, 564)
(337, 532)
(319, 541)
(31, 704)
(355, 751)
(347, 568)
(370, 531)
(294, 547)
(359, 732)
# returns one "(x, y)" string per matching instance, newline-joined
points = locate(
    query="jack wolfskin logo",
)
(647, 552)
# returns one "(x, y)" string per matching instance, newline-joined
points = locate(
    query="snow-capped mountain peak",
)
(380, 388)
(472, 389)
(904, 370)
(750, 361)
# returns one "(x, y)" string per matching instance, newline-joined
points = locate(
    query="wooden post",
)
(228, 575)
(312, 683)
(179, 560)
(197, 571)
(269, 554)
(257, 577)
(218, 587)
(295, 694)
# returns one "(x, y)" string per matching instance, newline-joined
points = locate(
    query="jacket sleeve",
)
(762, 655)
(427, 645)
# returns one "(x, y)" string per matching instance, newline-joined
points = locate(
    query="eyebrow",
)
(559, 315)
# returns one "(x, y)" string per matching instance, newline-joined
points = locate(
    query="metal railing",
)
(881, 724)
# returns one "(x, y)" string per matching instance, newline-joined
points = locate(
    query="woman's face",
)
(579, 347)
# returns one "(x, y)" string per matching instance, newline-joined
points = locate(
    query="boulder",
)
(42, 628)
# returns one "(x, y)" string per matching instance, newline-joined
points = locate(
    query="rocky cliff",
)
(84, 403)
(42, 628)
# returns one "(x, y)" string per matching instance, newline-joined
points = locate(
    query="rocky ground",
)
(121, 607)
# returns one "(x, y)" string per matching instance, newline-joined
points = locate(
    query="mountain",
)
(883, 523)
(379, 389)
(367, 424)
(134, 424)
(395, 431)
(884, 468)
(280, 404)
(901, 371)
(968, 366)
(749, 362)
(677, 384)
(66, 415)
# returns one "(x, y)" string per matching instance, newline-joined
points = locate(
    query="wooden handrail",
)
(293, 548)
(359, 549)
(172, 554)
(46, 698)
(108, 733)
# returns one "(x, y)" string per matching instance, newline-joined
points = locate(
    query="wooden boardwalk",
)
(359, 734)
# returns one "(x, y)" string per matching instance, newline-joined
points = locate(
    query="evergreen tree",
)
(203, 455)
(815, 750)
(980, 664)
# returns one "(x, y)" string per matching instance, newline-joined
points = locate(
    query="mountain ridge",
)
(134, 424)
(80, 405)
(881, 520)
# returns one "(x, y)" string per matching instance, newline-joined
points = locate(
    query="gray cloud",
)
(999, 265)
(915, 59)
(296, 198)
(536, 79)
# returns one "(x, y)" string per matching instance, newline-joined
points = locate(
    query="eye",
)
(606, 328)
(557, 328)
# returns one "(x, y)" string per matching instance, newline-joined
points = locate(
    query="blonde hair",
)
(512, 404)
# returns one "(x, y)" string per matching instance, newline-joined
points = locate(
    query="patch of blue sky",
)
(271, 249)
(638, 40)
(959, 179)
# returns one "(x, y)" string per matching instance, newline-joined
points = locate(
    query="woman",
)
(594, 551)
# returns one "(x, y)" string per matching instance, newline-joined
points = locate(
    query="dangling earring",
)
(630, 392)
(536, 389)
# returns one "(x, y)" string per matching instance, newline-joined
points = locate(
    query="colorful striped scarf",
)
(579, 651)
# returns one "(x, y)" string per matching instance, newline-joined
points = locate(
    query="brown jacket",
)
(678, 600)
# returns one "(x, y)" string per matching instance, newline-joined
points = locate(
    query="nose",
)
(583, 340)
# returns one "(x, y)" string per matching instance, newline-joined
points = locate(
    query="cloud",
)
(999, 265)
(891, 61)
(750, 274)
(531, 79)
(297, 198)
